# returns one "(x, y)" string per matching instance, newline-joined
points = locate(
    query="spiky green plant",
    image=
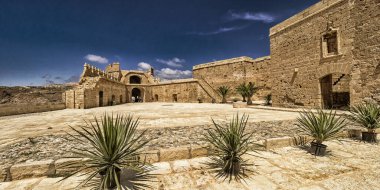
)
(251, 91)
(321, 126)
(223, 91)
(366, 115)
(229, 143)
(106, 147)
(243, 91)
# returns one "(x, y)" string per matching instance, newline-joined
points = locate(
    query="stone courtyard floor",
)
(349, 165)
(152, 115)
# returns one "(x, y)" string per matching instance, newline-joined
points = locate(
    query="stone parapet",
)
(17, 109)
(230, 61)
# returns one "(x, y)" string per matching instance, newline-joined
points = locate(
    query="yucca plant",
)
(223, 91)
(366, 115)
(229, 143)
(321, 126)
(251, 91)
(106, 147)
(243, 91)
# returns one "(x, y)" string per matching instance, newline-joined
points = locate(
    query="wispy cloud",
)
(261, 17)
(175, 62)
(219, 31)
(168, 74)
(143, 66)
(96, 58)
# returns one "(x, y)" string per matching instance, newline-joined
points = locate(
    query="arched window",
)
(134, 80)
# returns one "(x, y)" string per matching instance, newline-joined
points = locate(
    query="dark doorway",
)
(135, 80)
(175, 98)
(136, 95)
(100, 98)
(121, 99)
(335, 91)
(113, 98)
(156, 98)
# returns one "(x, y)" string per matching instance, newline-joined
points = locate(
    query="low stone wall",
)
(16, 109)
(53, 168)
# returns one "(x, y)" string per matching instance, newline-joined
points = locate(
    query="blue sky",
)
(48, 41)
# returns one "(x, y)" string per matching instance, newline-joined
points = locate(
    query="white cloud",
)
(167, 73)
(175, 62)
(263, 17)
(96, 58)
(144, 66)
(220, 30)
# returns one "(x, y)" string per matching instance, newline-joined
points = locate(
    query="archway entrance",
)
(136, 95)
(156, 98)
(335, 91)
(100, 98)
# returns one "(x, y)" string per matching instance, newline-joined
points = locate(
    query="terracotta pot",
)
(317, 149)
(369, 136)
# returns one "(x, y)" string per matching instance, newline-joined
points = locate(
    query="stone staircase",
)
(338, 80)
(209, 90)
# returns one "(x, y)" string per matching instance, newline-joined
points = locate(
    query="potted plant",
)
(106, 147)
(243, 91)
(321, 126)
(367, 115)
(229, 143)
(223, 91)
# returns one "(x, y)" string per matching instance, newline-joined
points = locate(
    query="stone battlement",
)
(305, 14)
(229, 61)
(92, 71)
(177, 81)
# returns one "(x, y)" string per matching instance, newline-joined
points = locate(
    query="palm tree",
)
(368, 116)
(223, 91)
(242, 90)
(251, 89)
(229, 143)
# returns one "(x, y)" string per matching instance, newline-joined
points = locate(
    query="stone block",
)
(197, 151)
(199, 163)
(174, 154)
(181, 166)
(161, 168)
(239, 105)
(285, 141)
(62, 166)
(32, 169)
(150, 156)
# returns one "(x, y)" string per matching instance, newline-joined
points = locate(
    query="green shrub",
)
(229, 143)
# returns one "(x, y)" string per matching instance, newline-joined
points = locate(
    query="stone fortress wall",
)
(235, 71)
(301, 61)
(326, 56)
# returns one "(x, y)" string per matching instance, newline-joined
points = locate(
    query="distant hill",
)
(33, 94)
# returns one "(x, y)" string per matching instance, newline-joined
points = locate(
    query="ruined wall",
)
(366, 64)
(297, 52)
(233, 72)
(87, 95)
(187, 90)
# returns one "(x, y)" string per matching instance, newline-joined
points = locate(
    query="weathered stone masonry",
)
(325, 56)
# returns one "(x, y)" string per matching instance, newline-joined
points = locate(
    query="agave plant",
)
(223, 91)
(228, 144)
(243, 91)
(109, 145)
(366, 115)
(321, 126)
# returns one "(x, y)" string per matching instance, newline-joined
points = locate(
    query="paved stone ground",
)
(349, 165)
(153, 115)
